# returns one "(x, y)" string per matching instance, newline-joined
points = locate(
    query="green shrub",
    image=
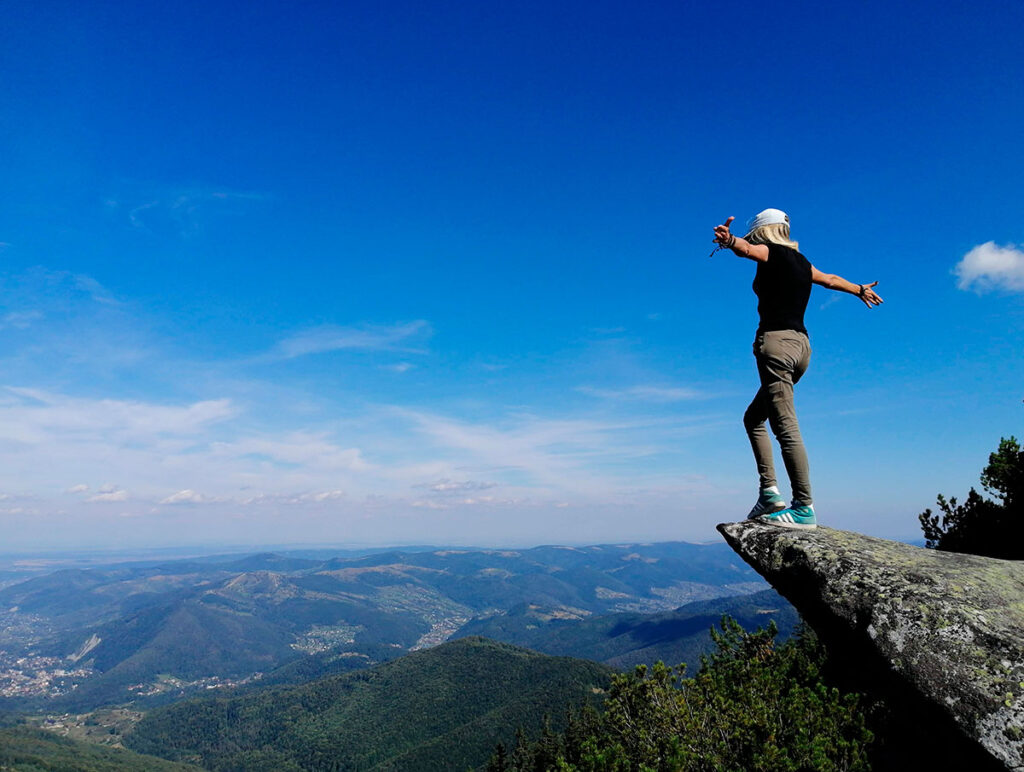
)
(753, 706)
(992, 527)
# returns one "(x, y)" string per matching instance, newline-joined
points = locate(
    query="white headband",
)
(768, 217)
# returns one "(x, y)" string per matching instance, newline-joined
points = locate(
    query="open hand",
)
(869, 296)
(722, 235)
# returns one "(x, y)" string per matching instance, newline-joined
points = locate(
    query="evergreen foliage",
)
(33, 750)
(753, 706)
(441, 708)
(993, 527)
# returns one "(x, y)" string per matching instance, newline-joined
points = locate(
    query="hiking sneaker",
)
(796, 516)
(769, 501)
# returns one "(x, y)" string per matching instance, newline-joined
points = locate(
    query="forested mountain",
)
(81, 638)
(23, 749)
(335, 661)
(443, 708)
(628, 639)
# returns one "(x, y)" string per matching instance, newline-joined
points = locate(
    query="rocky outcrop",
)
(943, 630)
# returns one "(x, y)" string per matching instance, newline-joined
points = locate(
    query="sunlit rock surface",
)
(946, 626)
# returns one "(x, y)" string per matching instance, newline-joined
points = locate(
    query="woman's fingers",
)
(870, 297)
(722, 231)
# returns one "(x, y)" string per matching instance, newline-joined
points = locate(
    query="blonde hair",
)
(776, 233)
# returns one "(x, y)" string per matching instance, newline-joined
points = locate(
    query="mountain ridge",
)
(440, 708)
(158, 631)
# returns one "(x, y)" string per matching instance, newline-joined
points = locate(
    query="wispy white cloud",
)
(989, 267)
(322, 496)
(456, 486)
(109, 496)
(219, 446)
(188, 496)
(470, 501)
(643, 393)
(317, 497)
(93, 288)
(34, 413)
(19, 320)
(308, 450)
(368, 337)
(50, 292)
(555, 454)
(182, 212)
(82, 335)
(830, 300)
(205, 466)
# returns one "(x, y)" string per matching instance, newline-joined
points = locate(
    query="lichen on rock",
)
(946, 625)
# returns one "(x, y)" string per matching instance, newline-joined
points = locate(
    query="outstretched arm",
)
(838, 283)
(739, 246)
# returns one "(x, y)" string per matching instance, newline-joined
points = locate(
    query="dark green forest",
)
(753, 706)
(441, 708)
(24, 749)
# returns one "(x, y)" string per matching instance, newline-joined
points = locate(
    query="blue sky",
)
(438, 272)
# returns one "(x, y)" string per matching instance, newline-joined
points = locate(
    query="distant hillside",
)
(624, 640)
(78, 639)
(336, 661)
(439, 709)
(23, 749)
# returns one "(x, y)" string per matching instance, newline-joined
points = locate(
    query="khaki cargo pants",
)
(782, 359)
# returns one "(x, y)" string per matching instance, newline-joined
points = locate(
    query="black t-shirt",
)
(783, 287)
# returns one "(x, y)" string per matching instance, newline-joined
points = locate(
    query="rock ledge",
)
(948, 626)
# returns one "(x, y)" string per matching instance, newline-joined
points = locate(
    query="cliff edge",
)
(944, 631)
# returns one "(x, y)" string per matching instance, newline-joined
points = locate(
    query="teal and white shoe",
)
(769, 501)
(796, 516)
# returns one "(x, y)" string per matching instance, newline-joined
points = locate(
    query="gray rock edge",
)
(950, 625)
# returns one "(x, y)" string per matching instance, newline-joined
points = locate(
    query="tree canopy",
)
(752, 706)
(994, 526)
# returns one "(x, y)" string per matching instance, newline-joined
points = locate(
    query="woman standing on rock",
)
(783, 351)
